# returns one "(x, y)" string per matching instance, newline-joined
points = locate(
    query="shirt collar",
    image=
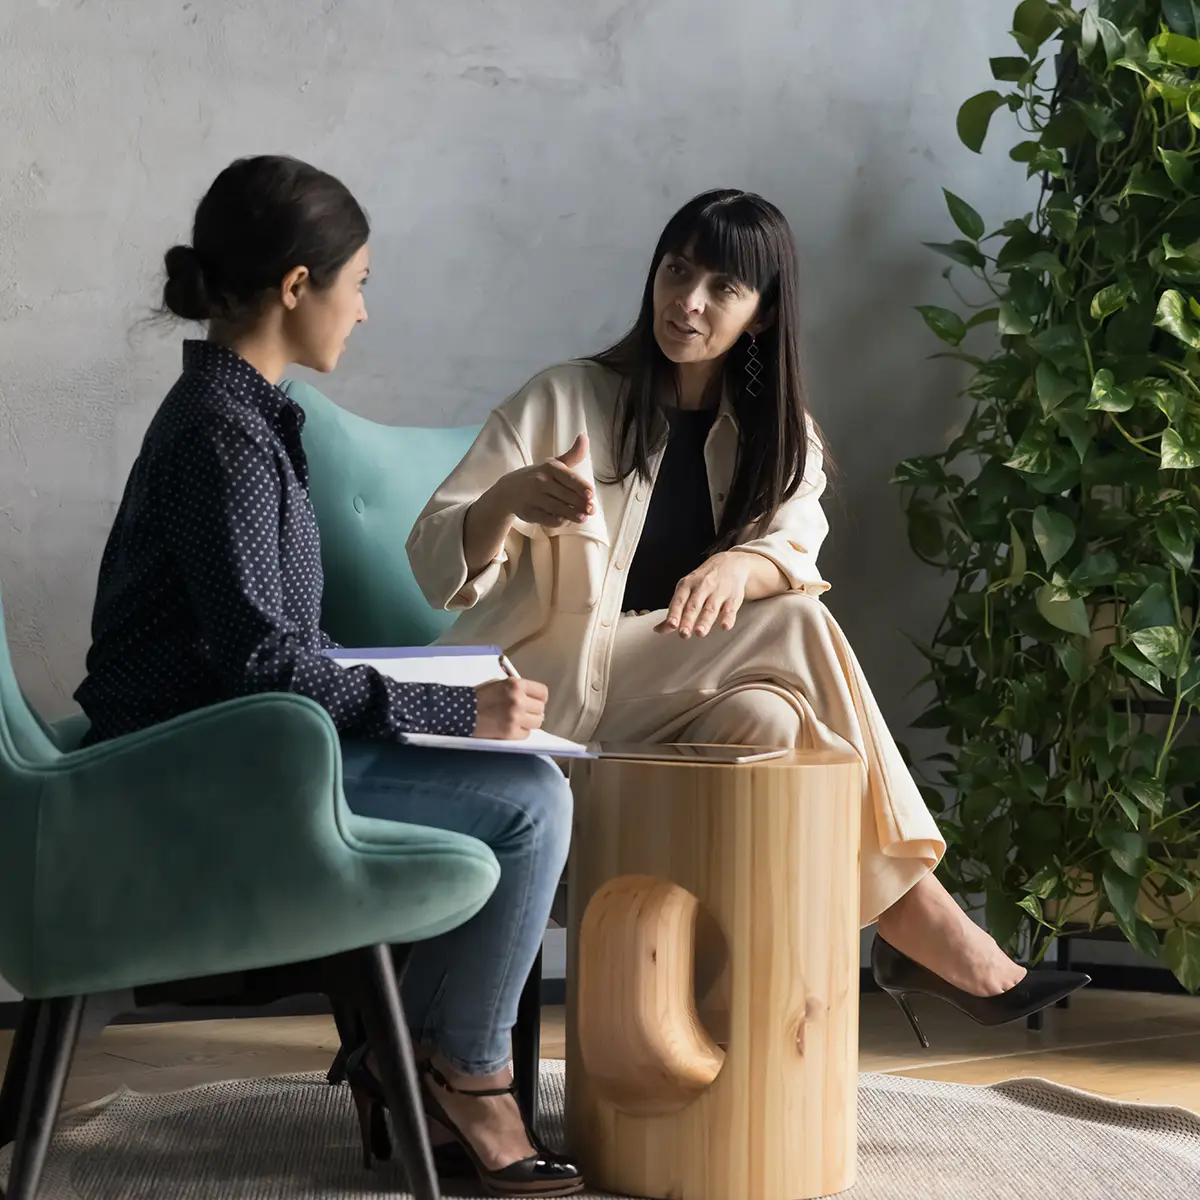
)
(243, 382)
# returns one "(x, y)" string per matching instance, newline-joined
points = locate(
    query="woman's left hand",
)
(713, 593)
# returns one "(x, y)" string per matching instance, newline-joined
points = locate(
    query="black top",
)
(679, 531)
(210, 585)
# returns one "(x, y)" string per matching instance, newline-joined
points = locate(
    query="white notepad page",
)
(454, 666)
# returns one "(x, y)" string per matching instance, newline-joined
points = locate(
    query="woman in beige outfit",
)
(640, 532)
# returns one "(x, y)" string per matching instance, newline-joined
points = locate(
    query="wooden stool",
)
(712, 977)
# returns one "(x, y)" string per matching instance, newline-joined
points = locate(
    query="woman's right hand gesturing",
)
(510, 709)
(549, 493)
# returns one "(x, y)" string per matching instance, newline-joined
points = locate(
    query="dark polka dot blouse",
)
(210, 584)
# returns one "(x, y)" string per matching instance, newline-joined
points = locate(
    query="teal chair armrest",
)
(221, 841)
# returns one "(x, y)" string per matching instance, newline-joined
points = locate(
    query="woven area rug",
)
(295, 1138)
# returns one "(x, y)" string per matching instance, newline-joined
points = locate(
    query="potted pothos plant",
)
(1065, 669)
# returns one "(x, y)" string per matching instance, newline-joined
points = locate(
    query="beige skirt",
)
(783, 676)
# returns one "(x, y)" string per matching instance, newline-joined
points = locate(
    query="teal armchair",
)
(219, 845)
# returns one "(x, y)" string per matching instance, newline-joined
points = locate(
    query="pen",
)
(509, 669)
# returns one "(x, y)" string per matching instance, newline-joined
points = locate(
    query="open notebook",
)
(454, 666)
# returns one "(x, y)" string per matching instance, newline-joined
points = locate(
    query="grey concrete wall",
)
(518, 158)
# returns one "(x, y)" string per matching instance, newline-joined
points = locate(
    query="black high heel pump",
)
(902, 977)
(449, 1159)
(541, 1174)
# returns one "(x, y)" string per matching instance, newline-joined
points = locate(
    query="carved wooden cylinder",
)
(712, 977)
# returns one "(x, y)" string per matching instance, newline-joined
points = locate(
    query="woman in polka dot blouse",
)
(210, 588)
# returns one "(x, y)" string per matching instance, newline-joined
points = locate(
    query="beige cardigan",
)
(552, 598)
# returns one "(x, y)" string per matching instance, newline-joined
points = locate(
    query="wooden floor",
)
(1132, 1047)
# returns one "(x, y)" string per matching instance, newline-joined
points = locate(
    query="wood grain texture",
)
(757, 867)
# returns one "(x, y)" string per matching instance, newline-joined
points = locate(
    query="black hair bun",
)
(185, 293)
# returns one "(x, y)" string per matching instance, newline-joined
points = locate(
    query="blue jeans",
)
(462, 989)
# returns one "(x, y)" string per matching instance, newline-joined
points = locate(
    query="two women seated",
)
(639, 530)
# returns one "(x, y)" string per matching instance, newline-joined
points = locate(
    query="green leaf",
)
(1172, 315)
(1063, 219)
(1052, 388)
(1075, 427)
(1101, 124)
(1025, 151)
(1128, 808)
(947, 325)
(1109, 300)
(985, 316)
(1106, 396)
(1043, 883)
(1069, 615)
(1127, 850)
(1179, 544)
(1048, 160)
(1009, 70)
(1114, 43)
(1096, 570)
(1074, 794)
(1122, 891)
(1171, 403)
(1054, 533)
(969, 222)
(1013, 322)
(1148, 181)
(1089, 33)
(1138, 666)
(1073, 661)
(1179, 450)
(975, 116)
(966, 253)
(1181, 950)
(1060, 344)
(1019, 558)
(1153, 607)
(1141, 936)
(1163, 646)
(1002, 916)
(1176, 48)
(1178, 167)
(925, 534)
(1183, 16)
(1150, 795)
(1033, 454)
(1032, 905)
(922, 471)
(1033, 23)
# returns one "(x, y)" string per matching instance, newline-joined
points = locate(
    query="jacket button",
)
(639, 496)
(359, 504)
(595, 685)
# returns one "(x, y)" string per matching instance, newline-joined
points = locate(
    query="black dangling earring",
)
(753, 368)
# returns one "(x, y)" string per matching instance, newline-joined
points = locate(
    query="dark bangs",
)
(723, 232)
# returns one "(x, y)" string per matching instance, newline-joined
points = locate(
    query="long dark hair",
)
(261, 218)
(741, 235)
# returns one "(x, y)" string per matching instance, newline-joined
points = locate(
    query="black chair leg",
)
(383, 1015)
(1064, 963)
(527, 1044)
(17, 1071)
(55, 1035)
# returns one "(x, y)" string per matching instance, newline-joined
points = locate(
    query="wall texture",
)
(518, 158)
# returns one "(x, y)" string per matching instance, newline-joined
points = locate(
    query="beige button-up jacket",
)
(552, 598)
